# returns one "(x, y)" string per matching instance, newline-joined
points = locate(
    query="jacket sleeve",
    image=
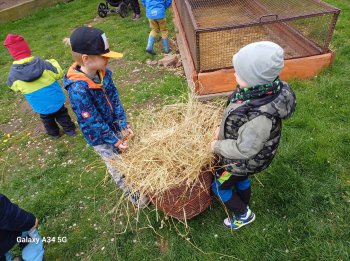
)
(54, 68)
(88, 116)
(167, 3)
(119, 114)
(14, 87)
(251, 139)
(10, 81)
(13, 218)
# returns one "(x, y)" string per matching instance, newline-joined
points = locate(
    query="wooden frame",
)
(26, 8)
(222, 82)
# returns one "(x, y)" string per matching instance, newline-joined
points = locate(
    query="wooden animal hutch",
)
(210, 32)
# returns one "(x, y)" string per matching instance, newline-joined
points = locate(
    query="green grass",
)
(301, 201)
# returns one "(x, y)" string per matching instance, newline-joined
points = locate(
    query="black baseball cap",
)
(88, 40)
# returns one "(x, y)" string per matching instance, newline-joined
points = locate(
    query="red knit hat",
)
(17, 46)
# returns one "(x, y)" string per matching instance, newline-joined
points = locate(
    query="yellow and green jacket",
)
(37, 80)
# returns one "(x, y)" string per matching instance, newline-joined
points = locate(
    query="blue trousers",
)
(233, 191)
(34, 250)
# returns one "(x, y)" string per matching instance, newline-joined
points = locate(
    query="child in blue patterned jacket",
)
(156, 14)
(95, 101)
(37, 80)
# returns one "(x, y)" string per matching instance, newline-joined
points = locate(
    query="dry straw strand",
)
(171, 146)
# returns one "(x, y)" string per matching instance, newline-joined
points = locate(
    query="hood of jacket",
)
(282, 106)
(28, 70)
(74, 75)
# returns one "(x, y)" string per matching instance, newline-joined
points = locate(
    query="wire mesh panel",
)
(215, 30)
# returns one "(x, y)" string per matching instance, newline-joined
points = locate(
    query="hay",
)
(170, 148)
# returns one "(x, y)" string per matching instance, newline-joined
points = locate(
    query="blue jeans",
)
(34, 251)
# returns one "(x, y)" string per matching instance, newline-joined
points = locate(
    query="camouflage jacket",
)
(250, 132)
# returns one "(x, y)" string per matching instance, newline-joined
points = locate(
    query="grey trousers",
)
(109, 153)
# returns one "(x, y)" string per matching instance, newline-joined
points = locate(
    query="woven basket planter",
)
(186, 202)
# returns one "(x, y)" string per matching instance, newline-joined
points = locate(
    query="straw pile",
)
(170, 148)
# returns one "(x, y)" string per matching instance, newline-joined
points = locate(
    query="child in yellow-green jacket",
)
(37, 79)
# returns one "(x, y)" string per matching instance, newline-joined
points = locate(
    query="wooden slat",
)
(186, 58)
(301, 68)
(307, 67)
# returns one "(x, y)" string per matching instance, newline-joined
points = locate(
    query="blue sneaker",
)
(240, 221)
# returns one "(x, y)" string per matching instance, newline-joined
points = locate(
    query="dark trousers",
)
(62, 117)
(135, 6)
(234, 192)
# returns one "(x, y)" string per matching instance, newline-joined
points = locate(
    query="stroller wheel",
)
(102, 10)
(123, 10)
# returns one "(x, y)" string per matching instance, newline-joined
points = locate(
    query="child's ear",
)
(85, 58)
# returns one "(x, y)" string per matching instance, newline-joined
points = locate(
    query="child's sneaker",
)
(136, 17)
(71, 133)
(240, 221)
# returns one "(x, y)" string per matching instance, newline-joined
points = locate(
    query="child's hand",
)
(123, 145)
(127, 133)
(36, 224)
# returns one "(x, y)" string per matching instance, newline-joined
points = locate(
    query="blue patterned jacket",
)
(99, 111)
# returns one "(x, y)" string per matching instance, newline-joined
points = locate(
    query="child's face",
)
(96, 62)
(240, 82)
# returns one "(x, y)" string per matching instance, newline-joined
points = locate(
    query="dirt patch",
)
(21, 121)
(24, 107)
(40, 129)
(136, 72)
(163, 245)
(95, 21)
(11, 127)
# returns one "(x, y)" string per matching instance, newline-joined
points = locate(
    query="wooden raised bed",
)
(220, 82)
